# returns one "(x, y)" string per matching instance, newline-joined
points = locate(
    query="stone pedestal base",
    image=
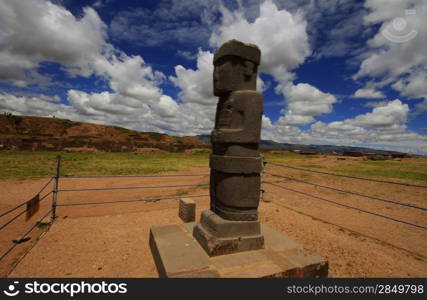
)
(177, 254)
(219, 236)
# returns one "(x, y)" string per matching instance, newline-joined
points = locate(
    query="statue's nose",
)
(216, 75)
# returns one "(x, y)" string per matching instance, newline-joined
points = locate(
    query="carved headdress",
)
(236, 48)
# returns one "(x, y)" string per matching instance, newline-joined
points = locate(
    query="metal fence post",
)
(55, 187)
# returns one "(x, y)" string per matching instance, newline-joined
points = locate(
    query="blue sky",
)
(332, 72)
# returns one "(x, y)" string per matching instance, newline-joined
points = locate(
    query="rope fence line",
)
(348, 192)
(25, 234)
(57, 177)
(13, 219)
(348, 229)
(135, 200)
(20, 214)
(133, 188)
(56, 190)
(346, 206)
(45, 186)
(23, 203)
(348, 176)
(132, 176)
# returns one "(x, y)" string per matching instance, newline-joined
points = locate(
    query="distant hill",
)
(322, 149)
(53, 134)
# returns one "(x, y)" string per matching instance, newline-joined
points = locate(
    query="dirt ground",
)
(111, 240)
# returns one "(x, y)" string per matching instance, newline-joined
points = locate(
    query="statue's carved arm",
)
(246, 123)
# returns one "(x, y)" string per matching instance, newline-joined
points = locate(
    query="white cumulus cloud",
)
(283, 40)
(305, 101)
(397, 53)
(36, 31)
(384, 127)
(368, 94)
(33, 31)
(281, 36)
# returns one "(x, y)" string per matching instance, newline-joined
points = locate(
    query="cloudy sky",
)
(332, 72)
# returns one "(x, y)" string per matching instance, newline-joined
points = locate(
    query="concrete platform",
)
(177, 254)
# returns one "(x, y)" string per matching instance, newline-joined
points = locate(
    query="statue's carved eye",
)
(229, 106)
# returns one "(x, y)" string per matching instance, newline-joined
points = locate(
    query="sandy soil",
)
(112, 240)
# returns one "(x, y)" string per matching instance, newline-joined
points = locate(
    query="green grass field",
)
(23, 165)
(42, 164)
(285, 157)
(27, 164)
(411, 170)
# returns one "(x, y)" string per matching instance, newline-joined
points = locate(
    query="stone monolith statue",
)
(231, 225)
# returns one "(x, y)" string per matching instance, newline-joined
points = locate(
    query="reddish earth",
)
(111, 240)
(53, 134)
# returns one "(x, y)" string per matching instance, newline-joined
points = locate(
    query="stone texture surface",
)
(231, 225)
(177, 254)
(235, 162)
(234, 48)
(187, 210)
(218, 236)
(174, 253)
(226, 228)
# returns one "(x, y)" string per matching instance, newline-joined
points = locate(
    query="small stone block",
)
(187, 210)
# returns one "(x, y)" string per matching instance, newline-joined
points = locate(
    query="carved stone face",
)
(231, 73)
(223, 77)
